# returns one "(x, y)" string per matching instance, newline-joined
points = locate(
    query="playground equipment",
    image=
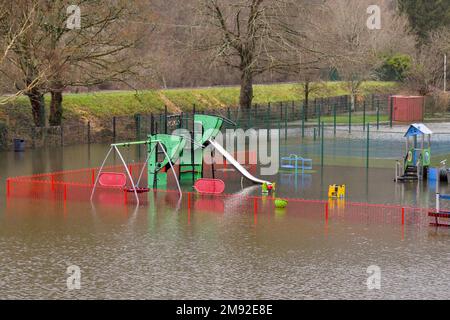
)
(267, 187)
(294, 162)
(280, 203)
(209, 186)
(417, 160)
(168, 147)
(164, 151)
(336, 191)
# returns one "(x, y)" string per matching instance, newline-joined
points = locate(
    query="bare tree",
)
(354, 49)
(427, 74)
(252, 36)
(54, 57)
(12, 32)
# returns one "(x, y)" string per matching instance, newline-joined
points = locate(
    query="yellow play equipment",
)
(336, 191)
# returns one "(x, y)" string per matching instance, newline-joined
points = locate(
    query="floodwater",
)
(160, 251)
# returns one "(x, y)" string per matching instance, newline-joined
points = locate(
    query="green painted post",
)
(303, 120)
(279, 121)
(138, 126)
(334, 119)
(378, 115)
(368, 145)
(255, 124)
(315, 133)
(88, 131)
(391, 111)
(349, 118)
(285, 122)
(269, 114)
(293, 110)
(152, 124)
(165, 120)
(114, 129)
(322, 144)
(61, 133)
(364, 115)
(318, 113)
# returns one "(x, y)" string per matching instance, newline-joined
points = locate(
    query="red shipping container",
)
(407, 108)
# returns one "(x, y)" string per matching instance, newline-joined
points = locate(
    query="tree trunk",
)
(56, 110)
(352, 101)
(246, 96)
(306, 102)
(37, 107)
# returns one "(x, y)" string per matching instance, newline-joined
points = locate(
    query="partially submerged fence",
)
(77, 185)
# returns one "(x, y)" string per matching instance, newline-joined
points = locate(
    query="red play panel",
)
(209, 186)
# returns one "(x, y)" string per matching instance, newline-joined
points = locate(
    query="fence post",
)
(334, 118)
(322, 144)
(62, 135)
(349, 118)
(114, 129)
(152, 124)
(318, 114)
(303, 120)
(138, 126)
(391, 111)
(165, 119)
(293, 110)
(378, 115)
(281, 115)
(89, 132)
(368, 145)
(180, 125)
(269, 113)
(33, 136)
(364, 114)
(285, 122)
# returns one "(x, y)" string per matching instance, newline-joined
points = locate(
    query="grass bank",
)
(99, 105)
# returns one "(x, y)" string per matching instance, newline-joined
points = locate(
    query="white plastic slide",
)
(236, 164)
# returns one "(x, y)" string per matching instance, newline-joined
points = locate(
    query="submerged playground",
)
(178, 212)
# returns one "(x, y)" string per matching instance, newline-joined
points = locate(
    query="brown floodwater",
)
(160, 250)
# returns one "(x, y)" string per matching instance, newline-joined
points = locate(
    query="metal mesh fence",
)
(284, 115)
(329, 131)
(77, 185)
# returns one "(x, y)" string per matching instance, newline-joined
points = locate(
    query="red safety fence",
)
(77, 185)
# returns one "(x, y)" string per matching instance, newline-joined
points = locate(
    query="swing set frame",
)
(115, 148)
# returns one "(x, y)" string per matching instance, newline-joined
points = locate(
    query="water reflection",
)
(217, 248)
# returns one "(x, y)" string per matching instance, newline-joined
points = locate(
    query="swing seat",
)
(209, 186)
(138, 190)
(112, 179)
